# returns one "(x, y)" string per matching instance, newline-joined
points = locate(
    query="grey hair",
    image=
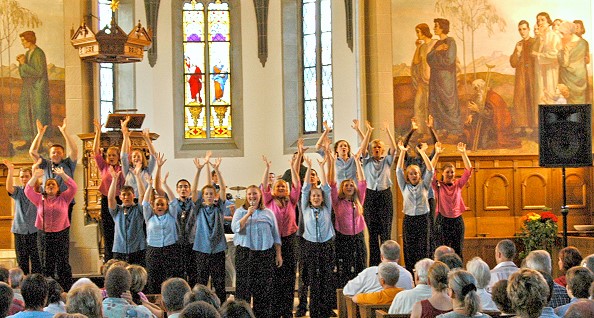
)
(389, 272)
(390, 250)
(588, 262)
(539, 260)
(15, 276)
(507, 248)
(422, 269)
(480, 270)
(461, 283)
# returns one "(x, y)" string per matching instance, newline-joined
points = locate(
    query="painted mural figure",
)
(572, 63)
(34, 102)
(443, 91)
(525, 110)
(545, 50)
(420, 73)
(195, 80)
(219, 79)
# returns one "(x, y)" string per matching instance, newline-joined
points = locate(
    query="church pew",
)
(385, 314)
(355, 310)
(341, 304)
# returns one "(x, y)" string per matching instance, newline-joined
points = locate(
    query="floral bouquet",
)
(539, 232)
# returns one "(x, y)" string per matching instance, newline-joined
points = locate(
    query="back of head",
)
(579, 280)
(236, 309)
(202, 293)
(463, 286)
(422, 269)
(113, 262)
(6, 295)
(507, 248)
(4, 274)
(139, 278)
(480, 270)
(441, 250)
(15, 277)
(550, 282)
(85, 299)
(452, 260)
(199, 309)
(390, 250)
(117, 281)
(570, 257)
(539, 260)
(54, 294)
(588, 262)
(528, 292)
(34, 291)
(500, 298)
(580, 309)
(70, 315)
(173, 291)
(438, 276)
(389, 272)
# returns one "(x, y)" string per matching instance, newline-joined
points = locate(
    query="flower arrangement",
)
(539, 232)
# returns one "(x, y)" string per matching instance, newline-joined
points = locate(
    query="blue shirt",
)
(210, 232)
(415, 200)
(129, 235)
(48, 171)
(344, 169)
(548, 312)
(186, 219)
(561, 310)
(25, 213)
(260, 231)
(32, 314)
(120, 308)
(161, 230)
(317, 221)
(377, 172)
(129, 173)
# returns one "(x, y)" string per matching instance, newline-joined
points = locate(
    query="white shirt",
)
(501, 271)
(487, 303)
(367, 282)
(404, 300)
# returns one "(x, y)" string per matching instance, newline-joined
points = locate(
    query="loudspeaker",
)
(565, 136)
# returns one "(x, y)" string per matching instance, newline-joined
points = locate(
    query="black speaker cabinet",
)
(565, 135)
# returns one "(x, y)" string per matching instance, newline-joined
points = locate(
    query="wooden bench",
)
(341, 304)
(385, 314)
(355, 310)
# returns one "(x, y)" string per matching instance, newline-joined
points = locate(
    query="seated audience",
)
(404, 300)
(465, 300)
(236, 309)
(528, 292)
(540, 260)
(16, 305)
(85, 299)
(68, 315)
(6, 296)
(15, 277)
(505, 252)
(548, 312)
(34, 291)
(55, 304)
(139, 277)
(387, 275)
(117, 285)
(200, 309)
(452, 260)
(439, 302)
(588, 262)
(441, 250)
(579, 280)
(581, 309)
(501, 300)
(366, 281)
(568, 258)
(202, 293)
(172, 292)
(480, 270)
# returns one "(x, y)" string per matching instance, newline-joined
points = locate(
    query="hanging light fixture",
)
(111, 44)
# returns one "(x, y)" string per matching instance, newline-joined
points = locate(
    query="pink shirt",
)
(451, 204)
(106, 176)
(343, 210)
(285, 216)
(55, 209)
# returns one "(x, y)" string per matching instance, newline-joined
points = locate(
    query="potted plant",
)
(539, 232)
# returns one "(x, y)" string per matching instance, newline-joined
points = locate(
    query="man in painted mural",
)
(524, 108)
(443, 89)
(34, 102)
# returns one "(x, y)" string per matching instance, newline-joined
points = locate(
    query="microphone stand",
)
(43, 237)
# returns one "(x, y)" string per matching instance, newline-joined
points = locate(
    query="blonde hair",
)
(260, 205)
(85, 299)
(438, 276)
(139, 278)
(355, 198)
(410, 168)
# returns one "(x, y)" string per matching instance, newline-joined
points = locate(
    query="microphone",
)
(125, 211)
(43, 195)
(253, 202)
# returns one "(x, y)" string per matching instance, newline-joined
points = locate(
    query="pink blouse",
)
(343, 210)
(53, 211)
(285, 216)
(451, 204)
(103, 167)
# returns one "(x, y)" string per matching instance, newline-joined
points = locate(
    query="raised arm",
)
(97, 139)
(146, 135)
(199, 167)
(160, 158)
(323, 137)
(391, 137)
(308, 172)
(438, 150)
(34, 150)
(267, 164)
(357, 127)
(331, 176)
(144, 194)
(360, 174)
(37, 174)
(413, 127)
(72, 147)
(423, 153)
(295, 165)
(365, 143)
(125, 136)
(9, 177)
(462, 150)
(322, 174)
(403, 149)
(111, 195)
(166, 188)
(223, 190)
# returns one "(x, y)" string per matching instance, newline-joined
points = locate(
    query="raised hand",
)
(38, 173)
(165, 178)
(97, 125)
(368, 125)
(217, 163)
(198, 164)
(461, 147)
(423, 147)
(300, 146)
(207, 156)
(355, 124)
(40, 127)
(160, 158)
(267, 162)
(124, 123)
(36, 164)
(438, 148)
(63, 127)
(401, 146)
(429, 121)
(413, 124)
(326, 126)
(8, 164)
(137, 169)
(59, 171)
(114, 174)
(307, 161)
(146, 133)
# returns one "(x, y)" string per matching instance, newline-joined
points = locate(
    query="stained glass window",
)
(316, 31)
(206, 64)
(106, 70)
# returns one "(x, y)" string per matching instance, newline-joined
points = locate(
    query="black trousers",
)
(450, 232)
(416, 239)
(138, 257)
(213, 266)
(254, 278)
(319, 259)
(107, 229)
(161, 264)
(283, 283)
(378, 216)
(303, 284)
(351, 254)
(55, 252)
(187, 264)
(25, 246)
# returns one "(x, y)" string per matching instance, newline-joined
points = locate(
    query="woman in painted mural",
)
(572, 63)
(420, 72)
(545, 50)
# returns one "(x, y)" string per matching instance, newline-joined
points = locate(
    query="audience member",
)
(465, 300)
(34, 291)
(15, 277)
(387, 275)
(581, 309)
(6, 296)
(139, 277)
(404, 300)
(173, 291)
(439, 302)
(452, 260)
(480, 270)
(441, 250)
(547, 311)
(200, 309)
(528, 292)
(366, 281)
(55, 303)
(568, 258)
(16, 305)
(116, 305)
(85, 299)
(540, 260)
(202, 293)
(579, 280)
(236, 309)
(588, 262)
(67, 315)
(500, 298)
(505, 252)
